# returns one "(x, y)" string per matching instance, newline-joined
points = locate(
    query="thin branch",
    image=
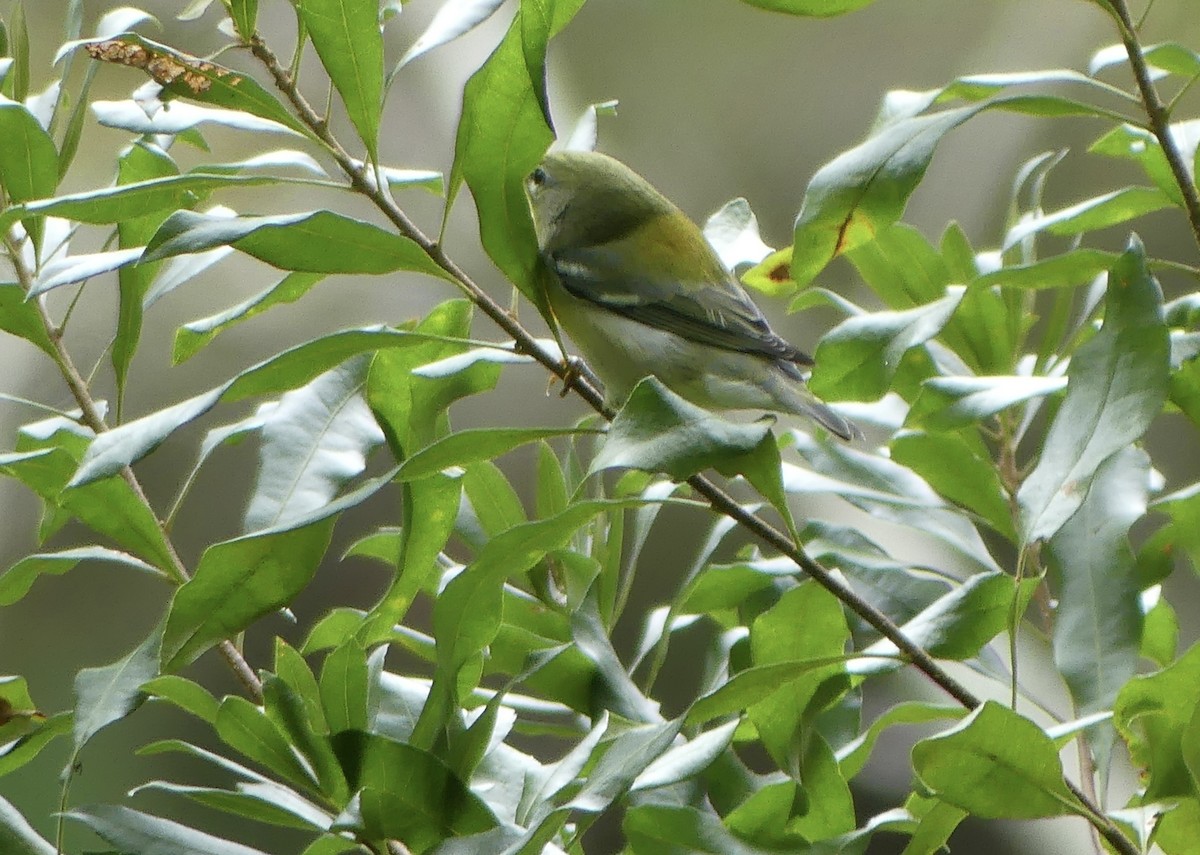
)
(717, 498)
(94, 419)
(1157, 113)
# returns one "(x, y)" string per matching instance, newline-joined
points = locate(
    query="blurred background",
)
(717, 100)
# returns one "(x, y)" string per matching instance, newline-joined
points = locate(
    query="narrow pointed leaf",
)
(1117, 384)
(453, 19)
(314, 441)
(316, 241)
(348, 40)
(18, 579)
(28, 158)
(194, 335)
(137, 833)
(108, 694)
(17, 836)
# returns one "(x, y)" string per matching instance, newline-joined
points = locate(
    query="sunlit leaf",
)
(347, 37)
(135, 832)
(454, 18)
(314, 241)
(313, 442)
(1117, 383)
(996, 764)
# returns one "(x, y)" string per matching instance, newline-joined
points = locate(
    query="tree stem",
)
(1157, 113)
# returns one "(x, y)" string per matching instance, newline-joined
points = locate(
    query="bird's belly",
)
(623, 351)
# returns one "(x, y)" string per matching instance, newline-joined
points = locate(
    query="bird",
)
(637, 288)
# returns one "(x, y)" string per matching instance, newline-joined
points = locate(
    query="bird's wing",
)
(720, 314)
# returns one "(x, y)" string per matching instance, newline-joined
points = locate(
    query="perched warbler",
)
(640, 292)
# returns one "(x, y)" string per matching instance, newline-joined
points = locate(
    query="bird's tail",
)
(791, 391)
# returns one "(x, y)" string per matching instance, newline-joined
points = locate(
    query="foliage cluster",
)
(1005, 391)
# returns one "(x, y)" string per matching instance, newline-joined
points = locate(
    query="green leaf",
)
(314, 241)
(315, 440)
(853, 756)
(958, 624)
(17, 37)
(454, 18)
(751, 685)
(810, 8)
(194, 335)
(467, 614)
(858, 358)
(67, 270)
(18, 579)
(288, 710)
(108, 694)
(503, 132)
(240, 580)
(1160, 634)
(687, 760)
(143, 161)
(17, 836)
(244, 14)
(1155, 714)
(183, 693)
(294, 671)
(652, 829)
(902, 267)
(1099, 212)
(861, 191)
(658, 431)
(1140, 145)
(624, 758)
(349, 42)
(345, 685)
(430, 507)
(885, 490)
(408, 794)
(135, 439)
(247, 729)
(20, 317)
(123, 202)
(996, 764)
(1098, 622)
(409, 406)
(28, 747)
(1065, 270)
(958, 472)
(18, 714)
(472, 445)
(1117, 383)
(48, 452)
(28, 158)
(949, 403)
(196, 80)
(264, 801)
(136, 833)
(807, 623)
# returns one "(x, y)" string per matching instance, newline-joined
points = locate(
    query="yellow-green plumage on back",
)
(640, 292)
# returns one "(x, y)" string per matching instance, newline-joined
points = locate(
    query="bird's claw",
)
(572, 371)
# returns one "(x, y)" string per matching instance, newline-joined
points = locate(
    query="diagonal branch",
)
(1159, 115)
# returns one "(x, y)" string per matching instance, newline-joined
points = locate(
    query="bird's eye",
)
(537, 178)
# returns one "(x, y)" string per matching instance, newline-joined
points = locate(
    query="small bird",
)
(640, 291)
